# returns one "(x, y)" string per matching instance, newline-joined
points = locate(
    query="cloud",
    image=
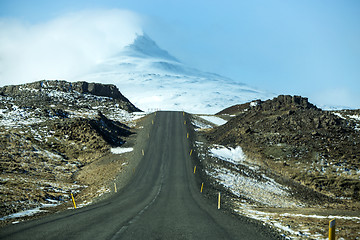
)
(65, 47)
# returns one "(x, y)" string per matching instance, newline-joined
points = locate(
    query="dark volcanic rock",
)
(105, 90)
(111, 131)
(281, 102)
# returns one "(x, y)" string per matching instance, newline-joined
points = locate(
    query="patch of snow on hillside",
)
(51, 155)
(199, 125)
(137, 115)
(120, 150)
(356, 117)
(268, 218)
(339, 115)
(16, 117)
(253, 104)
(33, 211)
(320, 216)
(29, 212)
(215, 120)
(244, 178)
(269, 193)
(233, 155)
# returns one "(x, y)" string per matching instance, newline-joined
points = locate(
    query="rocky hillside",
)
(49, 131)
(43, 92)
(319, 149)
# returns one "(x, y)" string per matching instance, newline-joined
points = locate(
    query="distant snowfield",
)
(153, 79)
(215, 120)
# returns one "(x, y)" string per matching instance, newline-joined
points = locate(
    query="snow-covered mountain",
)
(153, 79)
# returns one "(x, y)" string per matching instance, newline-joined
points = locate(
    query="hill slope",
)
(318, 148)
(49, 131)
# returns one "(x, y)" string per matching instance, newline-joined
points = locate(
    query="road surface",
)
(162, 201)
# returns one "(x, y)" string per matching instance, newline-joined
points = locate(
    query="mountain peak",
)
(152, 78)
(144, 46)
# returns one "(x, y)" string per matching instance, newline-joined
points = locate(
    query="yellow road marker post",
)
(202, 186)
(142, 152)
(191, 152)
(183, 113)
(187, 135)
(115, 190)
(332, 230)
(73, 200)
(152, 122)
(194, 169)
(219, 201)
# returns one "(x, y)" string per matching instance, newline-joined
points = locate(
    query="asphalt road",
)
(162, 201)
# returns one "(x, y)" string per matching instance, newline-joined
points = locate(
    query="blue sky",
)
(309, 48)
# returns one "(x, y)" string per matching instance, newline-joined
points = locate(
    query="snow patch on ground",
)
(84, 204)
(320, 216)
(199, 125)
(268, 193)
(233, 155)
(33, 211)
(102, 191)
(120, 150)
(25, 213)
(16, 116)
(243, 179)
(253, 104)
(281, 221)
(215, 120)
(339, 115)
(356, 117)
(268, 219)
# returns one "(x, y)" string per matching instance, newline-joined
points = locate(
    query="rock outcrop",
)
(281, 102)
(39, 91)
